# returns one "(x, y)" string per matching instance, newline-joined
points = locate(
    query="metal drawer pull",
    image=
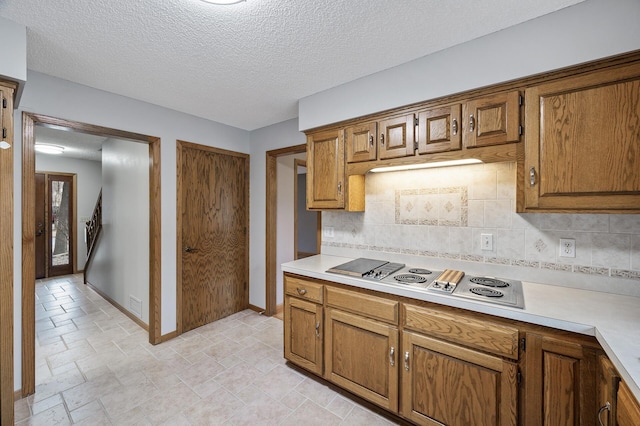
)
(371, 140)
(406, 361)
(301, 291)
(340, 187)
(472, 123)
(317, 329)
(392, 358)
(454, 127)
(532, 176)
(382, 139)
(607, 407)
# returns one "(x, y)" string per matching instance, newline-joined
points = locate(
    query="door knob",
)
(190, 249)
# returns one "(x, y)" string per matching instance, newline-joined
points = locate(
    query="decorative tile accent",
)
(526, 263)
(621, 273)
(472, 258)
(454, 256)
(498, 260)
(591, 270)
(447, 206)
(540, 245)
(555, 266)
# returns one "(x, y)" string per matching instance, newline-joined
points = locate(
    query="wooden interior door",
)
(213, 253)
(60, 221)
(40, 225)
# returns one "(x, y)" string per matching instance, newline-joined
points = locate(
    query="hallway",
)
(94, 366)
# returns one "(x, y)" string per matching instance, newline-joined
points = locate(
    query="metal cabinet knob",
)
(301, 291)
(472, 123)
(454, 126)
(532, 176)
(406, 361)
(317, 329)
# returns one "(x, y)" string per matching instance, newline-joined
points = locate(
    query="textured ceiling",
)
(246, 65)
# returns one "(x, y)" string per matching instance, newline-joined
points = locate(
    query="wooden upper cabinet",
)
(582, 143)
(492, 120)
(397, 136)
(325, 170)
(439, 129)
(361, 143)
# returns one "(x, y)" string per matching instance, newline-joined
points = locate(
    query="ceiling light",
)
(225, 2)
(46, 148)
(427, 165)
(5, 145)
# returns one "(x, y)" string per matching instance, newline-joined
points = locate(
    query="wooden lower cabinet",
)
(361, 356)
(303, 333)
(443, 383)
(560, 382)
(608, 381)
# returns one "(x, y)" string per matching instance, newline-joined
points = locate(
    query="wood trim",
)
(29, 121)
(256, 308)
(180, 146)
(296, 163)
(271, 215)
(6, 260)
(118, 306)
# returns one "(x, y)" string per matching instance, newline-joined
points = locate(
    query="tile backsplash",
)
(441, 214)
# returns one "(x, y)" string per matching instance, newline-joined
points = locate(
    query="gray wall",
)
(307, 220)
(89, 182)
(13, 65)
(43, 95)
(120, 268)
(590, 30)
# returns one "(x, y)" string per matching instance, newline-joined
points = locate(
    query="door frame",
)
(29, 123)
(271, 224)
(180, 145)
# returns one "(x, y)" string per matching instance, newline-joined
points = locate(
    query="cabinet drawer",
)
(363, 304)
(480, 334)
(303, 289)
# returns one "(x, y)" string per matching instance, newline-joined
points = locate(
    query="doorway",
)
(55, 224)
(213, 234)
(307, 223)
(29, 123)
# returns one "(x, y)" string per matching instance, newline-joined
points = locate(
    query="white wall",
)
(13, 65)
(285, 216)
(51, 96)
(587, 31)
(120, 268)
(89, 182)
(277, 136)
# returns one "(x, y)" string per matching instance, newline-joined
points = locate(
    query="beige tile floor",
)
(94, 366)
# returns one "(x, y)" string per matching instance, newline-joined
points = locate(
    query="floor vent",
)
(135, 305)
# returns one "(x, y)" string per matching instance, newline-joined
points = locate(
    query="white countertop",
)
(613, 319)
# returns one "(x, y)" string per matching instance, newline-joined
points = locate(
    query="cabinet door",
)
(325, 170)
(303, 333)
(607, 391)
(582, 142)
(628, 408)
(559, 382)
(447, 384)
(361, 356)
(361, 143)
(494, 120)
(397, 136)
(439, 130)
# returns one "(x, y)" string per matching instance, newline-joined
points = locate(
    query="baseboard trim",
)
(256, 309)
(119, 307)
(167, 336)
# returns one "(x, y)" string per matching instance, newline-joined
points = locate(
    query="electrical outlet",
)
(567, 247)
(327, 231)
(486, 242)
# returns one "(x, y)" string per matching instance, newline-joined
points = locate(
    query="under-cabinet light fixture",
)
(46, 148)
(427, 165)
(223, 2)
